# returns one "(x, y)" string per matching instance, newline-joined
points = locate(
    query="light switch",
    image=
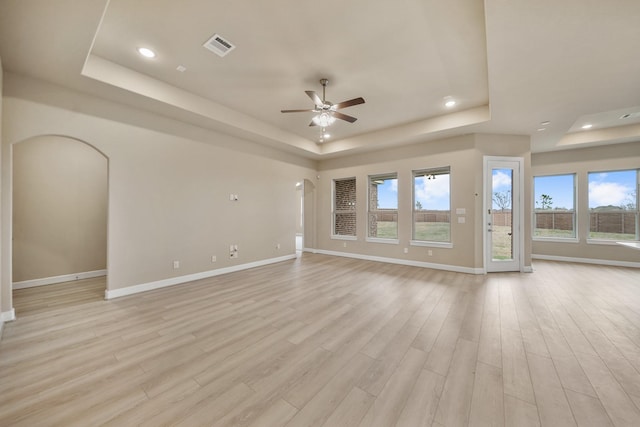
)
(461, 211)
(461, 220)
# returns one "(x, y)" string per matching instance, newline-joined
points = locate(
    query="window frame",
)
(335, 212)
(370, 182)
(613, 241)
(435, 171)
(573, 239)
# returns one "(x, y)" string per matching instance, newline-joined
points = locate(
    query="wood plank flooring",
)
(327, 341)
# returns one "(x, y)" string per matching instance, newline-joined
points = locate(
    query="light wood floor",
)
(325, 341)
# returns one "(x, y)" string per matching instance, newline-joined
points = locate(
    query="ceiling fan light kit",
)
(327, 112)
(323, 119)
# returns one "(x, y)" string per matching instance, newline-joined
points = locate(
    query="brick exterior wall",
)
(373, 215)
(345, 207)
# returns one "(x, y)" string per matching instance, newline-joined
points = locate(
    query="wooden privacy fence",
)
(600, 222)
(621, 221)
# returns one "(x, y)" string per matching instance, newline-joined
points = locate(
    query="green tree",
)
(418, 206)
(546, 201)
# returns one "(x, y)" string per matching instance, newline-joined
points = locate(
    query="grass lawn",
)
(561, 234)
(429, 231)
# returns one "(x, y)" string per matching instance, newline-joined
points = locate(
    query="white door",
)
(502, 214)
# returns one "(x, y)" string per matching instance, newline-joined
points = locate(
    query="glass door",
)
(502, 215)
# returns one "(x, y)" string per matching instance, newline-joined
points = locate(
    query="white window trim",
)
(557, 239)
(428, 243)
(342, 237)
(393, 175)
(606, 242)
(595, 241)
(333, 211)
(383, 240)
(574, 239)
(431, 244)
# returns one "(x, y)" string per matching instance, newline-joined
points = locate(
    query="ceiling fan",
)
(326, 111)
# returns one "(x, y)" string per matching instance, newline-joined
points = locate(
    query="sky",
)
(431, 193)
(605, 188)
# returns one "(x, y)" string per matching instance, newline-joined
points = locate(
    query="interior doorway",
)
(503, 208)
(299, 218)
(59, 217)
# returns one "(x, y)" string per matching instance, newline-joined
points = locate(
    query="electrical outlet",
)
(406, 250)
(213, 258)
(278, 246)
(176, 264)
(430, 252)
(233, 251)
(344, 244)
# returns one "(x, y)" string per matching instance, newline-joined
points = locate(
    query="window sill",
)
(556, 239)
(339, 237)
(448, 245)
(380, 240)
(604, 242)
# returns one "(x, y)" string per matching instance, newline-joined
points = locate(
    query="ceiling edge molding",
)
(108, 72)
(411, 132)
(611, 135)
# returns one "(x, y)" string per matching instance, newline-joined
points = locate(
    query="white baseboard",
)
(446, 267)
(130, 290)
(587, 261)
(59, 279)
(8, 316)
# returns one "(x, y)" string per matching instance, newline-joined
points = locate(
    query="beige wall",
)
(464, 155)
(59, 208)
(580, 162)
(169, 184)
(3, 278)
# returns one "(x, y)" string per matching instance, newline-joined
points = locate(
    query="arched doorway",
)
(59, 217)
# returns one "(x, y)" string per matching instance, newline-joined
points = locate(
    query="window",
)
(383, 207)
(554, 214)
(613, 205)
(431, 206)
(344, 207)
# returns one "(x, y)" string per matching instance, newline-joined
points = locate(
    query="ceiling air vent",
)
(630, 115)
(219, 45)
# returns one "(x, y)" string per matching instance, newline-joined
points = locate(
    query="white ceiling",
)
(510, 65)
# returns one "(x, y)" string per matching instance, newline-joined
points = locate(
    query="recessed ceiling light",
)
(146, 52)
(541, 129)
(546, 122)
(587, 126)
(326, 136)
(181, 68)
(449, 102)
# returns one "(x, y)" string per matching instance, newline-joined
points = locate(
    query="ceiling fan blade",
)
(345, 117)
(312, 123)
(349, 103)
(296, 111)
(314, 97)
